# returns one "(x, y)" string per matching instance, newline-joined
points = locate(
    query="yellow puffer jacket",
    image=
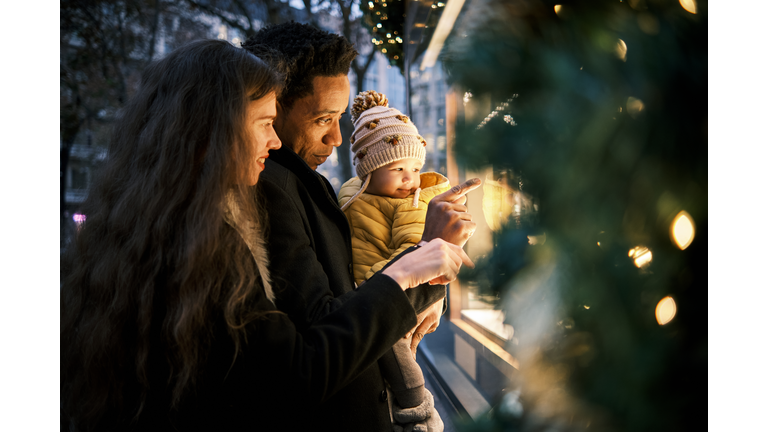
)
(383, 227)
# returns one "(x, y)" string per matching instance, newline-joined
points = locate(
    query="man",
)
(308, 236)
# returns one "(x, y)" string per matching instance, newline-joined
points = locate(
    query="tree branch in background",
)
(153, 32)
(250, 31)
(310, 16)
(222, 15)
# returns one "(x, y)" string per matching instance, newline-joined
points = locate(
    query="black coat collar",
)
(317, 185)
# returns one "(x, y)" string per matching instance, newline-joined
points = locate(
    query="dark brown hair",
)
(304, 52)
(145, 275)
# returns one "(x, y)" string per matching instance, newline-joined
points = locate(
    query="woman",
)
(166, 313)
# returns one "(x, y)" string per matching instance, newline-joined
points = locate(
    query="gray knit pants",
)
(403, 374)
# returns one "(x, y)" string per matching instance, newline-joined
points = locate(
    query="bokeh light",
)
(497, 208)
(689, 5)
(642, 256)
(682, 231)
(634, 106)
(557, 8)
(621, 50)
(665, 310)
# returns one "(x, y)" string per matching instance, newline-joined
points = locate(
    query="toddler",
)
(386, 205)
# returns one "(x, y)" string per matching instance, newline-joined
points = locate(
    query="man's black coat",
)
(310, 252)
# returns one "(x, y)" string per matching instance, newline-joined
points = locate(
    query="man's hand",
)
(447, 216)
(427, 323)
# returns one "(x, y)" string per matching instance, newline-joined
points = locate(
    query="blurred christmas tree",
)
(603, 105)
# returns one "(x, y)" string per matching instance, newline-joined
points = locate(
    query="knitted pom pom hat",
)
(382, 135)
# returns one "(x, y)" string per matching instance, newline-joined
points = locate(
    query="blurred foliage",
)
(610, 127)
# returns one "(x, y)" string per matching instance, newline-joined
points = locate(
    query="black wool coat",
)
(278, 374)
(310, 253)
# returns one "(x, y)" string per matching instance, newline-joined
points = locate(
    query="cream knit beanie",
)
(382, 135)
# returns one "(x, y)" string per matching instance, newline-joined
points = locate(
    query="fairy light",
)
(621, 50)
(666, 310)
(499, 109)
(682, 230)
(641, 255)
(634, 106)
(689, 5)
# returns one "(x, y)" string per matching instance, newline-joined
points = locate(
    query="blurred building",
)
(83, 159)
(427, 97)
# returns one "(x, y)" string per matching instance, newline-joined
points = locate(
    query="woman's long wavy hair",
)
(146, 274)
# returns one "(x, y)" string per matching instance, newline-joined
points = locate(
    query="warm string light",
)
(634, 106)
(682, 230)
(641, 255)
(379, 12)
(499, 109)
(666, 309)
(621, 50)
(689, 5)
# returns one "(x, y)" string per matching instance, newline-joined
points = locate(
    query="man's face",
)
(311, 126)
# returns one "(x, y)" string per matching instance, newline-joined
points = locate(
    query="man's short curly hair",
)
(306, 52)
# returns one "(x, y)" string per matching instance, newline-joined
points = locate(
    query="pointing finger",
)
(463, 255)
(457, 192)
(461, 200)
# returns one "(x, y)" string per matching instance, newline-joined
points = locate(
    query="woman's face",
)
(261, 116)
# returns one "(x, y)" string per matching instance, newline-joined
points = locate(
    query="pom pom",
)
(365, 100)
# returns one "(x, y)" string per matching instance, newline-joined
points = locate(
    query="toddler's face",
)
(396, 180)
